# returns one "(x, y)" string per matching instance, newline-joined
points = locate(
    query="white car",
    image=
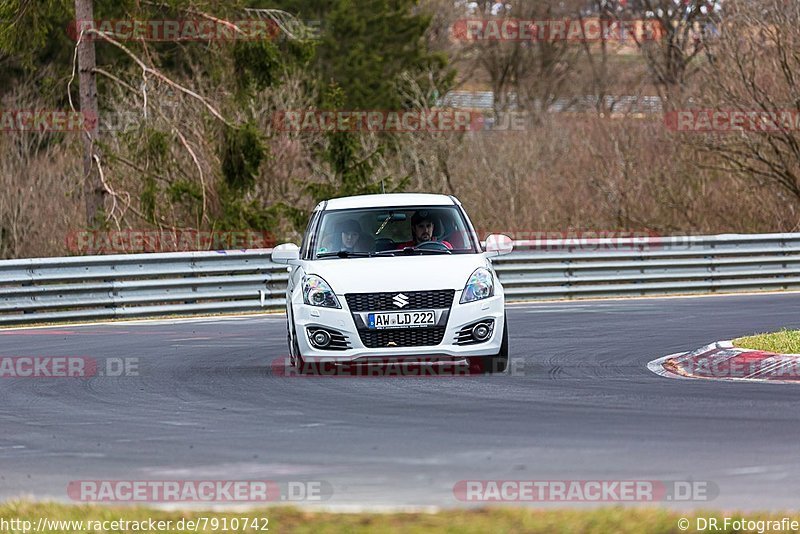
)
(363, 289)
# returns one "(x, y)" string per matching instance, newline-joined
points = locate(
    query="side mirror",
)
(498, 245)
(285, 253)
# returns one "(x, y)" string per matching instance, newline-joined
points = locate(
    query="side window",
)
(308, 237)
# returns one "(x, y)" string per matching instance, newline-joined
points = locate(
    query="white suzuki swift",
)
(395, 277)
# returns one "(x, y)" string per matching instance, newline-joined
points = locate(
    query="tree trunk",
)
(93, 190)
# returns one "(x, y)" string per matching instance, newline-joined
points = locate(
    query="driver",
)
(422, 229)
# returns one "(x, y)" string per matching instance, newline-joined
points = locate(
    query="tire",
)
(496, 363)
(298, 360)
(295, 358)
(290, 344)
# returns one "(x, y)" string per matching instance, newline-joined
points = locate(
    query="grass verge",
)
(783, 342)
(282, 519)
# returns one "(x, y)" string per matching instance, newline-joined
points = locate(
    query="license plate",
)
(415, 319)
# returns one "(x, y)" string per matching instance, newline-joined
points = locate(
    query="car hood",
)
(397, 273)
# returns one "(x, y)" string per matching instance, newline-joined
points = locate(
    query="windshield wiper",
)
(430, 250)
(344, 254)
(412, 250)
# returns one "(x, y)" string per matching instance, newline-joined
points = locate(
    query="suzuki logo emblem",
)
(400, 300)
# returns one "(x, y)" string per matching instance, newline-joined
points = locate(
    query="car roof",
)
(388, 200)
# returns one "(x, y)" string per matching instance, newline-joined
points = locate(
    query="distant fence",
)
(485, 100)
(192, 283)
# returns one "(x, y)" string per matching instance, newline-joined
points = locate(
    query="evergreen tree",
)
(368, 44)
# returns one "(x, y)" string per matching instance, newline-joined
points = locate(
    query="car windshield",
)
(372, 232)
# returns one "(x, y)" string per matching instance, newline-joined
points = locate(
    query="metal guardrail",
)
(143, 285)
(485, 100)
(139, 285)
(651, 266)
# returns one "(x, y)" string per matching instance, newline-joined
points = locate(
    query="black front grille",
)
(409, 337)
(417, 300)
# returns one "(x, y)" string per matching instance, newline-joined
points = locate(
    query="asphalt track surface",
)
(581, 405)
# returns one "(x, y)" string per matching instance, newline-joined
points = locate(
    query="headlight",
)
(479, 286)
(317, 292)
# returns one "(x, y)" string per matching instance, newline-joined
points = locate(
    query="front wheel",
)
(496, 363)
(295, 358)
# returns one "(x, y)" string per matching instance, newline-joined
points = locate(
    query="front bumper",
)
(460, 315)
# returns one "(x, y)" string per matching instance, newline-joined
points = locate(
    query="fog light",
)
(320, 338)
(481, 331)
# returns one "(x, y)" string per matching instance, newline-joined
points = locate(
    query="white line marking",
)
(522, 303)
(153, 321)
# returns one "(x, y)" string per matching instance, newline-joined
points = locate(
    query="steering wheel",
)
(434, 245)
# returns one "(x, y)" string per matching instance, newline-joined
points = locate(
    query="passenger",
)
(351, 236)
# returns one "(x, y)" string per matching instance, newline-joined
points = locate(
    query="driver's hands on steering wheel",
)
(433, 244)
